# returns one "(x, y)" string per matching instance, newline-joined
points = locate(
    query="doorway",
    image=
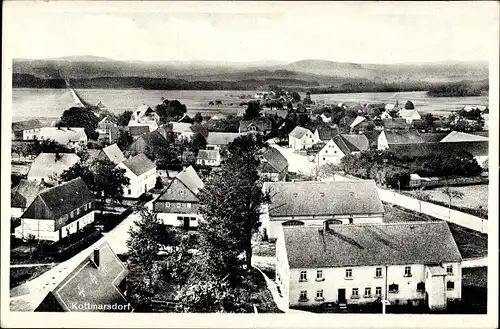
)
(186, 223)
(341, 297)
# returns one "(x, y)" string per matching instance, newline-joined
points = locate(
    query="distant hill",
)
(305, 73)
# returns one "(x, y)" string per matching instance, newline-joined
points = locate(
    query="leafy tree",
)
(124, 118)
(47, 146)
(83, 170)
(198, 118)
(159, 183)
(409, 105)
(198, 142)
(170, 110)
(427, 121)
(81, 117)
(253, 110)
(289, 106)
(124, 140)
(307, 100)
(295, 97)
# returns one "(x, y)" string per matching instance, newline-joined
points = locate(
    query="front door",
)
(186, 223)
(341, 296)
(77, 226)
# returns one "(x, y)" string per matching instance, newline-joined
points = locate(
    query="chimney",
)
(96, 257)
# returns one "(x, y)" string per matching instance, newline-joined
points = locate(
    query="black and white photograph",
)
(283, 160)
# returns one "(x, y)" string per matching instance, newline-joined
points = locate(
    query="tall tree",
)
(198, 118)
(253, 110)
(124, 118)
(81, 117)
(170, 110)
(124, 140)
(295, 97)
(198, 142)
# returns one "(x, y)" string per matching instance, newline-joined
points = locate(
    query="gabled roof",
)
(428, 243)
(92, 284)
(403, 137)
(324, 198)
(208, 155)
(327, 133)
(60, 200)
(138, 130)
(398, 123)
(411, 114)
(261, 123)
(457, 136)
(357, 121)
(216, 138)
(139, 164)
(143, 110)
(433, 137)
(26, 125)
(63, 135)
(184, 187)
(273, 161)
(199, 129)
(299, 132)
(179, 127)
(351, 143)
(114, 153)
(25, 192)
(152, 139)
(46, 164)
(186, 119)
(191, 179)
(476, 148)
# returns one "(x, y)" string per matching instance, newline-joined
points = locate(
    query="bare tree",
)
(452, 194)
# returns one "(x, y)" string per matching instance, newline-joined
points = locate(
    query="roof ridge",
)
(420, 222)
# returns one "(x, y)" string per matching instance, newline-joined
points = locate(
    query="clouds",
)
(235, 31)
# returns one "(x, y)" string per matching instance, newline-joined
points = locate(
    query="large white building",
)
(417, 262)
(142, 174)
(341, 145)
(301, 138)
(48, 167)
(314, 203)
(58, 212)
(73, 137)
(144, 116)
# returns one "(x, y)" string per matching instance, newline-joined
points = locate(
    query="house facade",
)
(341, 145)
(73, 137)
(274, 165)
(26, 130)
(58, 212)
(23, 194)
(144, 116)
(369, 267)
(409, 115)
(301, 138)
(142, 174)
(261, 125)
(209, 158)
(179, 205)
(314, 203)
(219, 141)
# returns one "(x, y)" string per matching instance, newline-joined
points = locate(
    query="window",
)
(167, 204)
(188, 205)
(378, 291)
(449, 269)
(324, 159)
(319, 275)
(303, 295)
(348, 273)
(368, 292)
(326, 151)
(378, 272)
(407, 270)
(394, 288)
(179, 205)
(421, 286)
(355, 293)
(450, 285)
(129, 191)
(303, 276)
(193, 218)
(319, 294)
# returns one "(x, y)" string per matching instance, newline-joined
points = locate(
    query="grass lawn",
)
(19, 275)
(475, 196)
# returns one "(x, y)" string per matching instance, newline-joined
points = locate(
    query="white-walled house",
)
(220, 140)
(26, 130)
(341, 145)
(407, 262)
(409, 115)
(72, 137)
(142, 174)
(301, 138)
(58, 212)
(314, 203)
(209, 158)
(144, 116)
(47, 167)
(23, 194)
(179, 204)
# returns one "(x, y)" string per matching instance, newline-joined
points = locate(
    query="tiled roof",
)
(63, 135)
(139, 164)
(152, 139)
(403, 137)
(433, 137)
(299, 132)
(324, 198)
(138, 130)
(25, 192)
(355, 143)
(409, 114)
(46, 165)
(208, 155)
(199, 129)
(394, 123)
(457, 136)
(26, 125)
(184, 187)
(91, 283)
(189, 177)
(216, 138)
(477, 148)
(274, 161)
(262, 124)
(59, 200)
(114, 153)
(426, 243)
(357, 121)
(327, 133)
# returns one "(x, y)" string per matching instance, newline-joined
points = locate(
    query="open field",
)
(474, 196)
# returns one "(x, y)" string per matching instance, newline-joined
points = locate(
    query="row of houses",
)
(72, 137)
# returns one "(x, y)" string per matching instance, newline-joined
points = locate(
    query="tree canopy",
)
(253, 110)
(170, 110)
(124, 118)
(81, 117)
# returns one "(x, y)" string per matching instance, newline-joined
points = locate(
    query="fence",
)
(434, 210)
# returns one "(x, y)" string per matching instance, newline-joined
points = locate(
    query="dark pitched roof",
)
(273, 161)
(25, 192)
(476, 148)
(139, 164)
(138, 130)
(184, 187)
(433, 137)
(217, 138)
(394, 123)
(327, 133)
(403, 137)
(199, 129)
(152, 139)
(26, 125)
(426, 243)
(60, 200)
(352, 143)
(261, 123)
(93, 284)
(324, 198)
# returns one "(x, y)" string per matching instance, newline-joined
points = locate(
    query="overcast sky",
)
(239, 32)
